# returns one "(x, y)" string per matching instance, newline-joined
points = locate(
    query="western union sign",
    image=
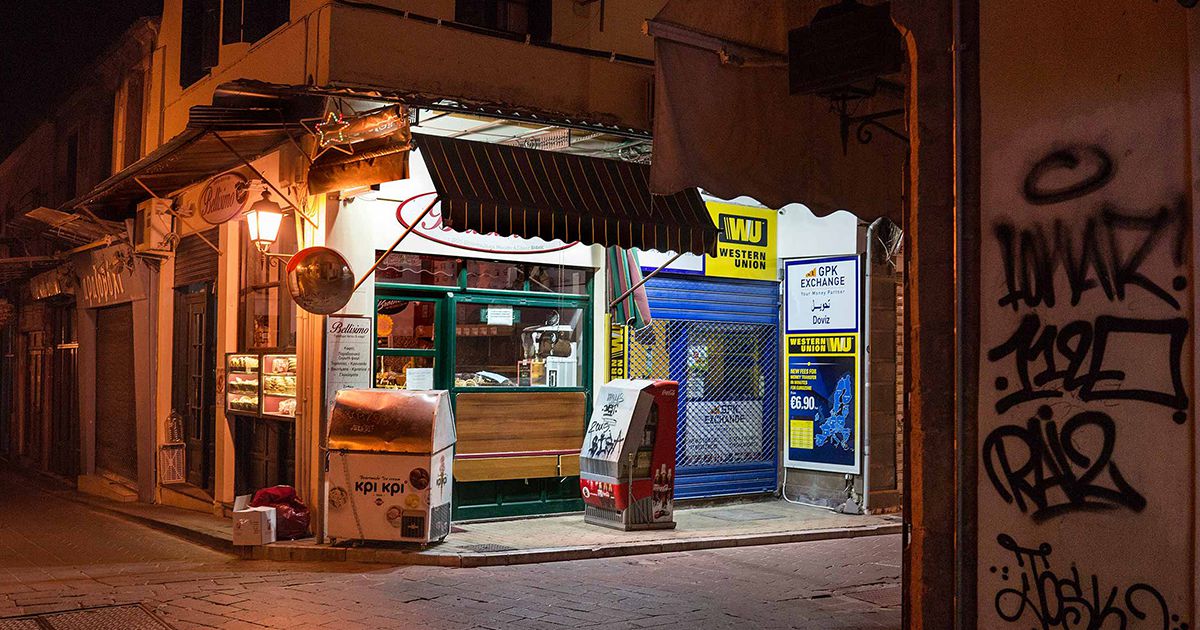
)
(746, 247)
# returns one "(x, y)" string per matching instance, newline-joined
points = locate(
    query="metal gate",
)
(719, 340)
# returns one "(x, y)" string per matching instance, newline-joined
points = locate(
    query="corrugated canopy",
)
(197, 153)
(524, 192)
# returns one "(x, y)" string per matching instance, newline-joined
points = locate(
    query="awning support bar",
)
(171, 211)
(266, 181)
(403, 234)
(637, 286)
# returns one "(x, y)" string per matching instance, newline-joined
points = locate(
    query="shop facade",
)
(508, 325)
(116, 355)
(714, 328)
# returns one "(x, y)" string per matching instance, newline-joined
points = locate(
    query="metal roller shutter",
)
(719, 338)
(195, 261)
(116, 410)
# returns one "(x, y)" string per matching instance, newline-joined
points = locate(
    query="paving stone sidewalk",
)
(543, 539)
(62, 555)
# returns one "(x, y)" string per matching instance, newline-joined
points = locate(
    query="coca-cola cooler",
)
(389, 466)
(627, 464)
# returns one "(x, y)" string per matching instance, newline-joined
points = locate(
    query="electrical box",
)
(153, 227)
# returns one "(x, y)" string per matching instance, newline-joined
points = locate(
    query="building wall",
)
(330, 43)
(1086, 420)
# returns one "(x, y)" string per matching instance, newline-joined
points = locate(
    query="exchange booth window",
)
(505, 345)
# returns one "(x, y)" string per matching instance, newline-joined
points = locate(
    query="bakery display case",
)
(279, 385)
(242, 383)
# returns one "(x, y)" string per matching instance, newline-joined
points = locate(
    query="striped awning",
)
(525, 192)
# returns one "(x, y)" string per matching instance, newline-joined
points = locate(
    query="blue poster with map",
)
(823, 402)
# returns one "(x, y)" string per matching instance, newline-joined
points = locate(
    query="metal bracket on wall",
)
(842, 100)
(863, 132)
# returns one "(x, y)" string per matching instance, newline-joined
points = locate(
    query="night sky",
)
(46, 46)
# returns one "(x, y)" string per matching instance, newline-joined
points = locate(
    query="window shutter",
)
(231, 22)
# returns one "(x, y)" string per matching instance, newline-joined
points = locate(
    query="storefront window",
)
(417, 269)
(404, 372)
(495, 275)
(268, 314)
(501, 345)
(405, 324)
(555, 279)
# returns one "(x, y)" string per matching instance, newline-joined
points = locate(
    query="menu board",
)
(348, 341)
(242, 383)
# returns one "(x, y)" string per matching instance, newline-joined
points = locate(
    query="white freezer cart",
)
(389, 466)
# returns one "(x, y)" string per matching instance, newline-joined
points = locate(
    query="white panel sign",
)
(822, 294)
(347, 354)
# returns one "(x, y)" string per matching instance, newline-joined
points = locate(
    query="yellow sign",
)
(618, 344)
(746, 247)
(801, 434)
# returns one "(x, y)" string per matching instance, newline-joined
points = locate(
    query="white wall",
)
(802, 234)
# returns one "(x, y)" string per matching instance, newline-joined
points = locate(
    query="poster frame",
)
(787, 264)
(860, 423)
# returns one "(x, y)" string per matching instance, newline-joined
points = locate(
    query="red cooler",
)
(627, 464)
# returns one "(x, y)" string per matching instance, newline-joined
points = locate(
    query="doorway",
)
(194, 379)
(64, 399)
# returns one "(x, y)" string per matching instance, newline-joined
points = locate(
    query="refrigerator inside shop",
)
(279, 385)
(242, 383)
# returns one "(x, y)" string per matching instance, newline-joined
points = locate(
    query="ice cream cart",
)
(389, 466)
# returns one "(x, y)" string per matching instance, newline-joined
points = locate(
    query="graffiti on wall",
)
(1031, 590)
(1096, 289)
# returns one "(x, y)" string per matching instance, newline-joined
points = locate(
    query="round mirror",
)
(320, 280)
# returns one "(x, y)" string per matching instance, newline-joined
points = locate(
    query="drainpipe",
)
(866, 402)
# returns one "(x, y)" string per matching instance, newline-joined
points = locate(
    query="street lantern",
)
(263, 218)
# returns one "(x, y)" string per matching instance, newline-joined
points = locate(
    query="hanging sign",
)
(745, 249)
(223, 198)
(823, 403)
(108, 276)
(348, 343)
(821, 295)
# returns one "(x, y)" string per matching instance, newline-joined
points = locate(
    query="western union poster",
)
(823, 402)
(745, 248)
(618, 346)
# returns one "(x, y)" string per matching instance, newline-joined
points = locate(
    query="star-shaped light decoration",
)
(330, 132)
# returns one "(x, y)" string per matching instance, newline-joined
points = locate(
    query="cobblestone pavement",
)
(57, 555)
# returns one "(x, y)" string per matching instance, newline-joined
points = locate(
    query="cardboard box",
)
(252, 525)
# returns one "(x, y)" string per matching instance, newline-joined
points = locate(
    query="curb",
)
(398, 557)
(204, 539)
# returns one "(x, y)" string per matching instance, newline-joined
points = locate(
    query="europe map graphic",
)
(835, 428)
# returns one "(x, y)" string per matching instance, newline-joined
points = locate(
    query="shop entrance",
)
(193, 379)
(718, 338)
(64, 401)
(34, 394)
(116, 411)
(512, 343)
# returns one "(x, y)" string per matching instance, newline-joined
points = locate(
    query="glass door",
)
(407, 339)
